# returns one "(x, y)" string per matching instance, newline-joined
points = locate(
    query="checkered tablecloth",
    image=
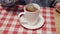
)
(10, 24)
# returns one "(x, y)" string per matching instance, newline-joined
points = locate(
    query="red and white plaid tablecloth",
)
(9, 23)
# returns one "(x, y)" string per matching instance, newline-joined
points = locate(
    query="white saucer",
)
(38, 25)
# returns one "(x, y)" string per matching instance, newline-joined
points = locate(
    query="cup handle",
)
(19, 17)
(21, 14)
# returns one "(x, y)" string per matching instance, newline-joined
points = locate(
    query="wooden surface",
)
(57, 21)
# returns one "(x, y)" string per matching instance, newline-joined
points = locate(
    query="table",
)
(57, 21)
(10, 24)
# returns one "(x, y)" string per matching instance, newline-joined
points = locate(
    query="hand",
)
(57, 6)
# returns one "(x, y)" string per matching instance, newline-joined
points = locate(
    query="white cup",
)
(31, 17)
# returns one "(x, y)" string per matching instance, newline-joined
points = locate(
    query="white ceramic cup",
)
(31, 17)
